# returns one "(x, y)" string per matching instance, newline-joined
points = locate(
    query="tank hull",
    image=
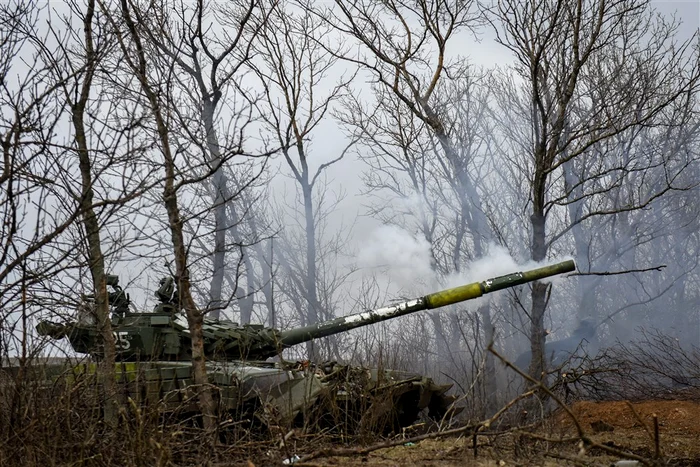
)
(343, 398)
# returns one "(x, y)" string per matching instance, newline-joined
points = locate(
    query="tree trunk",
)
(221, 199)
(473, 217)
(313, 306)
(195, 318)
(97, 270)
(245, 296)
(106, 374)
(266, 261)
(585, 292)
(170, 200)
(539, 293)
(441, 339)
(489, 381)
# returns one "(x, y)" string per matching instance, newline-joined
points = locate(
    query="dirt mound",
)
(623, 426)
(673, 416)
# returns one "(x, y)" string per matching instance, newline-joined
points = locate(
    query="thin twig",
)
(657, 447)
(639, 419)
(616, 273)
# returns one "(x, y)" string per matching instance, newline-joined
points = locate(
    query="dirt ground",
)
(618, 425)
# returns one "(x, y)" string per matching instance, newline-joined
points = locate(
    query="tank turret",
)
(164, 335)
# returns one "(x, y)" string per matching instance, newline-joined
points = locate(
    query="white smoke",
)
(405, 258)
(497, 262)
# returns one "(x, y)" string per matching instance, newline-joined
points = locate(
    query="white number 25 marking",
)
(121, 341)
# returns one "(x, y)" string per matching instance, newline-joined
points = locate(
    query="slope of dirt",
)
(630, 426)
(673, 416)
(617, 424)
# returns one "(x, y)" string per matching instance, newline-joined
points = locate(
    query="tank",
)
(244, 362)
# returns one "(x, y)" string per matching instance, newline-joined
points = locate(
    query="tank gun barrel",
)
(428, 302)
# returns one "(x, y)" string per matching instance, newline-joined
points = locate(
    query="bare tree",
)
(593, 71)
(293, 69)
(209, 46)
(131, 44)
(426, 128)
(29, 117)
(39, 210)
(96, 262)
(42, 166)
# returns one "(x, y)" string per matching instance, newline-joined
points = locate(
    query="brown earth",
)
(619, 425)
(674, 417)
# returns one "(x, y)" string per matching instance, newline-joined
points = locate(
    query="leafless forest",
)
(293, 161)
